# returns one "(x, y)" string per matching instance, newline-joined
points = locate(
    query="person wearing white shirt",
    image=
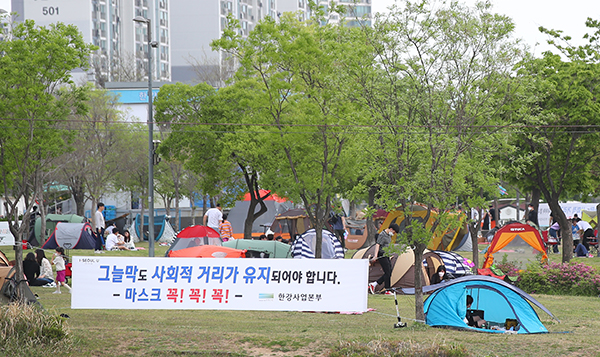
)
(99, 225)
(114, 241)
(585, 230)
(213, 217)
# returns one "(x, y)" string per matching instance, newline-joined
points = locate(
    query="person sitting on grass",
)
(127, 241)
(45, 267)
(440, 275)
(581, 251)
(473, 320)
(113, 242)
(31, 269)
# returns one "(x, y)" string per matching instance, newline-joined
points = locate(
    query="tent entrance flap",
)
(494, 303)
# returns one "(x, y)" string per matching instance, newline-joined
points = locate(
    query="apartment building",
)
(108, 24)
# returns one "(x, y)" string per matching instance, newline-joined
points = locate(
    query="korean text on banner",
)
(220, 284)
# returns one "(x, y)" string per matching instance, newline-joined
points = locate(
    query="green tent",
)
(254, 248)
(51, 221)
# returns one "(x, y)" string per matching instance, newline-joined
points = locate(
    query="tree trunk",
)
(19, 276)
(193, 214)
(535, 198)
(371, 229)
(319, 242)
(176, 209)
(78, 192)
(42, 209)
(518, 210)
(565, 230)
(93, 213)
(418, 253)
(474, 230)
(168, 201)
(143, 218)
(252, 215)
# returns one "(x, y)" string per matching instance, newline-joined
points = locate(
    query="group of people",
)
(115, 239)
(581, 230)
(38, 270)
(217, 220)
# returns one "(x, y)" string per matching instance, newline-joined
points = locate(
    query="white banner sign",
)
(570, 209)
(220, 284)
(6, 237)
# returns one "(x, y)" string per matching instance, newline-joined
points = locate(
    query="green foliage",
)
(26, 330)
(195, 119)
(510, 268)
(292, 78)
(560, 279)
(36, 96)
(428, 68)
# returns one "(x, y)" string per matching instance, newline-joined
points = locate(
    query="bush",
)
(560, 279)
(510, 268)
(27, 330)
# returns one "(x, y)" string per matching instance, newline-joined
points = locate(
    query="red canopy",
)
(380, 214)
(198, 232)
(261, 193)
(208, 251)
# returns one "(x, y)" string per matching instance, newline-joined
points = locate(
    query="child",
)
(59, 261)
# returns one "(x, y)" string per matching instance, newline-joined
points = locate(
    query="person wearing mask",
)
(532, 216)
(383, 240)
(440, 275)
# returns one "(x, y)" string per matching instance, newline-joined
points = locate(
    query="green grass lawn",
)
(260, 333)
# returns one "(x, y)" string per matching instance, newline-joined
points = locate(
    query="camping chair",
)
(593, 242)
(549, 241)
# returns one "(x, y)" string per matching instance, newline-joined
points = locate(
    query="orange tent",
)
(510, 232)
(208, 251)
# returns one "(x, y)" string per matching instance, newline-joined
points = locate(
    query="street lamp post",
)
(151, 44)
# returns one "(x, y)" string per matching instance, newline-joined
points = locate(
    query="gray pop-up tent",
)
(51, 221)
(71, 236)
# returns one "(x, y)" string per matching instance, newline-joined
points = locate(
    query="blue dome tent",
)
(500, 302)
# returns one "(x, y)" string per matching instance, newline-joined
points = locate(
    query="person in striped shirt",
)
(225, 229)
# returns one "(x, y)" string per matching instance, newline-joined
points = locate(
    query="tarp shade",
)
(507, 234)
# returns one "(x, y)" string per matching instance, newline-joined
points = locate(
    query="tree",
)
(434, 80)
(204, 137)
(291, 70)
(556, 135)
(100, 139)
(35, 62)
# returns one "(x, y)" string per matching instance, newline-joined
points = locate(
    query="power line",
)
(408, 128)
